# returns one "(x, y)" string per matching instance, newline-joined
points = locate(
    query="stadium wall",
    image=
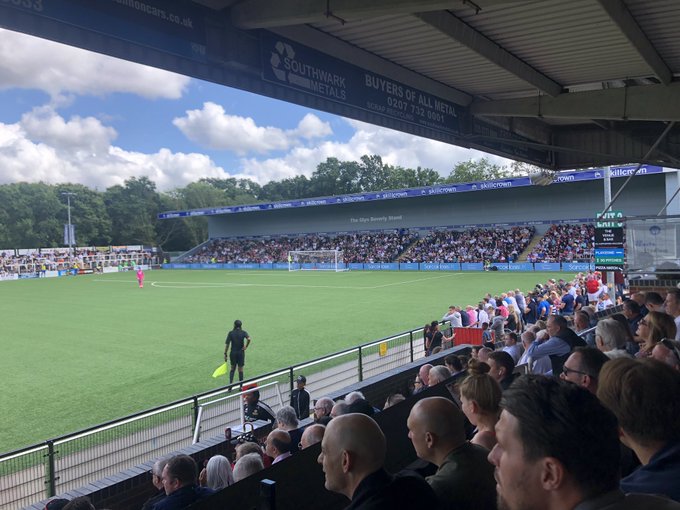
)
(563, 201)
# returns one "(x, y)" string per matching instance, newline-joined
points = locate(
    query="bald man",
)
(278, 445)
(352, 457)
(312, 435)
(464, 478)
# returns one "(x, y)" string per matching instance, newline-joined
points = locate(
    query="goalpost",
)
(316, 260)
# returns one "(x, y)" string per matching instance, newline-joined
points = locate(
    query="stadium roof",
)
(561, 84)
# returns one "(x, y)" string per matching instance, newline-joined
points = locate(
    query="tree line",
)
(33, 214)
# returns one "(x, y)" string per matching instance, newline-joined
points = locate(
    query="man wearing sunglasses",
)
(583, 367)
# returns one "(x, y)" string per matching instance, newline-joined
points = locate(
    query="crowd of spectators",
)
(357, 247)
(55, 259)
(543, 414)
(565, 243)
(471, 245)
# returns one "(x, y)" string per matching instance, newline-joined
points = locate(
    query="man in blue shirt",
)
(179, 479)
(567, 305)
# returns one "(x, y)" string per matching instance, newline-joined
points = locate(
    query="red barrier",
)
(471, 336)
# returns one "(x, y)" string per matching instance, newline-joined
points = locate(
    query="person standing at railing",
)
(239, 341)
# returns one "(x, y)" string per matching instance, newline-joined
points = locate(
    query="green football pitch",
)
(82, 350)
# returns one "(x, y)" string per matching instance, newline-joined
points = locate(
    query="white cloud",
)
(48, 148)
(60, 70)
(395, 148)
(213, 128)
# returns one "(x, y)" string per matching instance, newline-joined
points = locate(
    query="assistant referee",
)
(237, 355)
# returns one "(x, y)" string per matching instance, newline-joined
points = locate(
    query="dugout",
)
(494, 203)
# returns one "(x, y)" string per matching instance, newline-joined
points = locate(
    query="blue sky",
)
(69, 115)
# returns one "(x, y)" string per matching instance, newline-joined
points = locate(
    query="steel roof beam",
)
(276, 13)
(619, 14)
(646, 102)
(458, 30)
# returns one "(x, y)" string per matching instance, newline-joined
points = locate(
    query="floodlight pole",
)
(68, 195)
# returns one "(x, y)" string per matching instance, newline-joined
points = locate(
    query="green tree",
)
(30, 216)
(133, 209)
(475, 171)
(400, 177)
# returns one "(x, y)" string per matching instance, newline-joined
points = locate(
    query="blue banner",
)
(356, 265)
(280, 265)
(446, 189)
(429, 266)
(520, 266)
(169, 26)
(381, 266)
(547, 266)
(472, 266)
(577, 266)
(409, 266)
(449, 266)
(291, 64)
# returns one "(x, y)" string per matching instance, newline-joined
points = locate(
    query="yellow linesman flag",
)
(221, 370)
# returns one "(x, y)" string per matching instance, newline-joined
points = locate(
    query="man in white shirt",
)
(672, 305)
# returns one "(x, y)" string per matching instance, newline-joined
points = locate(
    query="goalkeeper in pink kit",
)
(140, 277)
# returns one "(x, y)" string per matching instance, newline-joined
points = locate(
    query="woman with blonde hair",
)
(654, 327)
(480, 396)
(513, 322)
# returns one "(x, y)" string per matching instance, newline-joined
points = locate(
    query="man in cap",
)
(300, 398)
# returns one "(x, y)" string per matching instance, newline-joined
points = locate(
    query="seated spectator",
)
(217, 474)
(631, 343)
(60, 503)
(339, 408)
(633, 314)
(455, 366)
(393, 399)
(464, 479)
(156, 480)
(667, 351)
(610, 338)
(476, 367)
(244, 449)
(352, 456)
(558, 450)
(562, 341)
(512, 347)
(286, 419)
(439, 374)
(581, 324)
(480, 396)
(644, 397)
(80, 503)
(323, 407)
(362, 406)
(654, 302)
(312, 435)
(672, 306)
(483, 354)
(583, 366)
(278, 445)
(424, 375)
(651, 329)
(501, 366)
(247, 465)
(180, 483)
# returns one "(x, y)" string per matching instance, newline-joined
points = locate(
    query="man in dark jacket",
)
(352, 457)
(299, 398)
(180, 477)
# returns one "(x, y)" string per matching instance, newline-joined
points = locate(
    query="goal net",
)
(316, 260)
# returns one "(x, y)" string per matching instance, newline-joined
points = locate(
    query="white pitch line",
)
(217, 285)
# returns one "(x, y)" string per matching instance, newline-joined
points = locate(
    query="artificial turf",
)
(78, 351)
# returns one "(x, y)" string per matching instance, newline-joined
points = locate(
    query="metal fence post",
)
(195, 412)
(410, 341)
(291, 380)
(361, 364)
(50, 472)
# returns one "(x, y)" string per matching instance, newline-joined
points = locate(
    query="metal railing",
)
(71, 461)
